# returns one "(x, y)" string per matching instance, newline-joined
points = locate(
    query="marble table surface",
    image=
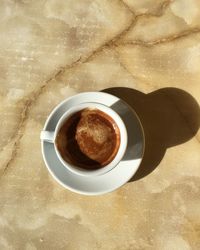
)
(148, 53)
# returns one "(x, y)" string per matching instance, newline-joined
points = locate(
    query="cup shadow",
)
(170, 116)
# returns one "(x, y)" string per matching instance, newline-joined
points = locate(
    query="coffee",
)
(89, 139)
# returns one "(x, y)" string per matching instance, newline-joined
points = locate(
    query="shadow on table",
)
(170, 116)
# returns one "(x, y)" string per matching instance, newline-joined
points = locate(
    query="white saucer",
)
(119, 175)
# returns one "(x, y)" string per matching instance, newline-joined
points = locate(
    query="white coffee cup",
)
(50, 136)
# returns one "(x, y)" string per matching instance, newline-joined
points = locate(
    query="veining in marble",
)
(51, 50)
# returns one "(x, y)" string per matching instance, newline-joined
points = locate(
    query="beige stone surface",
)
(50, 50)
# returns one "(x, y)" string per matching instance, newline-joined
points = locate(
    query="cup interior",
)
(122, 145)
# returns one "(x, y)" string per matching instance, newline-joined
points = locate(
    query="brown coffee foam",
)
(89, 139)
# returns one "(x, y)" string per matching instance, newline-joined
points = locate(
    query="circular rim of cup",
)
(123, 138)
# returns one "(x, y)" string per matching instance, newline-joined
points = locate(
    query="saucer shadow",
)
(170, 116)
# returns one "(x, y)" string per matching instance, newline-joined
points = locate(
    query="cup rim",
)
(123, 139)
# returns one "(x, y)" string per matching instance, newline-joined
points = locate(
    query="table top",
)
(145, 52)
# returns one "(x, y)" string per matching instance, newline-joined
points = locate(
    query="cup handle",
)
(47, 136)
